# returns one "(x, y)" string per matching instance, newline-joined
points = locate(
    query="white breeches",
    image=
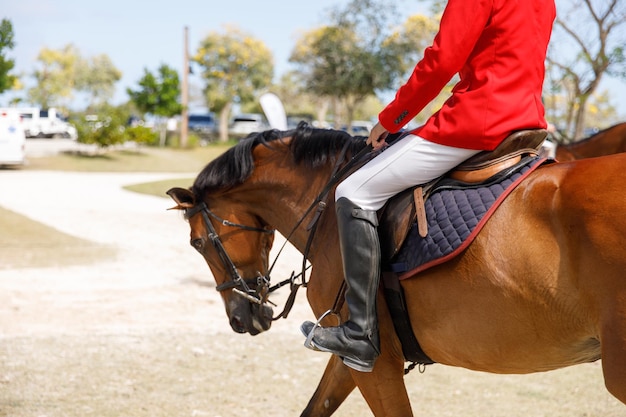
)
(410, 161)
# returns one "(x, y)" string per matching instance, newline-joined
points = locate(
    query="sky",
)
(140, 35)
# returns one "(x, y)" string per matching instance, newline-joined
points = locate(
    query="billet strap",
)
(420, 211)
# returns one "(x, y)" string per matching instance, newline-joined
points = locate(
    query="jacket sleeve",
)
(461, 26)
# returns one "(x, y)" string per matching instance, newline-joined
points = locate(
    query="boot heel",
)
(359, 365)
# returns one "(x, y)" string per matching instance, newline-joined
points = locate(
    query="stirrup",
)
(308, 342)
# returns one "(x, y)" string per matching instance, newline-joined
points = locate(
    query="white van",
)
(12, 138)
(45, 123)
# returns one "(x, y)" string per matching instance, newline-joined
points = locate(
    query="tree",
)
(408, 42)
(298, 99)
(235, 67)
(60, 73)
(158, 95)
(7, 81)
(55, 78)
(587, 45)
(358, 55)
(97, 77)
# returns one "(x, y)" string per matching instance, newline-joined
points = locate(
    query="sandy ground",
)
(145, 334)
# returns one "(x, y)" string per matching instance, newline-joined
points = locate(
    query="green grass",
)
(25, 243)
(159, 188)
(146, 159)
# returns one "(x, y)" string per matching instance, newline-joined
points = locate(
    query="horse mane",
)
(310, 146)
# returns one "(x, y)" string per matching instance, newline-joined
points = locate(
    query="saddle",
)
(403, 210)
(397, 216)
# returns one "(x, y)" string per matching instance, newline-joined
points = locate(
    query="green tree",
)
(105, 129)
(7, 81)
(408, 43)
(298, 99)
(55, 76)
(158, 95)
(357, 55)
(97, 77)
(235, 67)
(587, 45)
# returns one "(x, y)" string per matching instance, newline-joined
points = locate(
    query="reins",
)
(321, 204)
(259, 295)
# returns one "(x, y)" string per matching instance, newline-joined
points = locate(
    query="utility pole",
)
(184, 118)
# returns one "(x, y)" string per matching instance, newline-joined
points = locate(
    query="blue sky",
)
(140, 34)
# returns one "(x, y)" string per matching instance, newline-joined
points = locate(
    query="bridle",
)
(257, 290)
(237, 283)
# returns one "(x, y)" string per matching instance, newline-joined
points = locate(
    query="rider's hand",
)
(377, 137)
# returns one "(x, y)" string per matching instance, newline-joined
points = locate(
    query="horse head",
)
(236, 247)
(231, 209)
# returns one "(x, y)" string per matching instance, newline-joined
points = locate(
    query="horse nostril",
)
(197, 244)
(237, 325)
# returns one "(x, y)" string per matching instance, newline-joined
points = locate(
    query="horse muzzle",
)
(248, 317)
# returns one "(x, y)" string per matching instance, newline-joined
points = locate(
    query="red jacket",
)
(498, 48)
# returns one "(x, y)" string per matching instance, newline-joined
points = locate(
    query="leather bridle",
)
(261, 289)
(236, 283)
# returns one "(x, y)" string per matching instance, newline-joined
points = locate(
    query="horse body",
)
(606, 142)
(541, 287)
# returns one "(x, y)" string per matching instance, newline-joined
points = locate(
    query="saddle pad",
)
(455, 216)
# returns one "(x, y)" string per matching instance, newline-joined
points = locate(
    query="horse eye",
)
(197, 244)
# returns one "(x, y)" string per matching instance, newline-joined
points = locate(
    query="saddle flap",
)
(395, 220)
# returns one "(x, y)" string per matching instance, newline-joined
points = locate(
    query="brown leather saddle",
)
(397, 216)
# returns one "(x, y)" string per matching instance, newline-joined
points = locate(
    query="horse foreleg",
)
(336, 384)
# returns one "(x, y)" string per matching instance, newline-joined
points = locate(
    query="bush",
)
(104, 129)
(141, 134)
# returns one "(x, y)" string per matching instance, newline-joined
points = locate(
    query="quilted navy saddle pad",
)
(455, 215)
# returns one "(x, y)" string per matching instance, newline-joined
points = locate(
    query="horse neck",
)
(285, 195)
(606, 142)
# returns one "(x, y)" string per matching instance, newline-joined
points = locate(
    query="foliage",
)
(105, 128)
(298, 99)
(158, 94)
(235, 67)
(357, 55)
(141, 134)
(97, 77)
(107, 125)
(55, 76)
(409, 41)
(7, 81)
(587, 45)
(60, 73)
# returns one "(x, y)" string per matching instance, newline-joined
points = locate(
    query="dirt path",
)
(144, 334)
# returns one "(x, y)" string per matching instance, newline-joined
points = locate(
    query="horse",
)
(541, 287)
(606, 142)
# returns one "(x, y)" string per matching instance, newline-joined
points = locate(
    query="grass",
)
(145, 159)
(25, 243)
(159, 188)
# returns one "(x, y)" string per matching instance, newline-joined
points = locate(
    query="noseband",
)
(237, 283)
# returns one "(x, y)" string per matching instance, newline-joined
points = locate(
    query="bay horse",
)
(606, 142)
(542, 286)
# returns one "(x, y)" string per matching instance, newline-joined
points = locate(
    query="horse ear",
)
(183, 198)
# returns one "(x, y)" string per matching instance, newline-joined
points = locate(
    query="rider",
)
(498, 48)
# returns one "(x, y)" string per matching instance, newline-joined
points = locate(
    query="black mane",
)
(310, 146)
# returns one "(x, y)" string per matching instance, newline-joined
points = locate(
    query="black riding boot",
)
(356, 340)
